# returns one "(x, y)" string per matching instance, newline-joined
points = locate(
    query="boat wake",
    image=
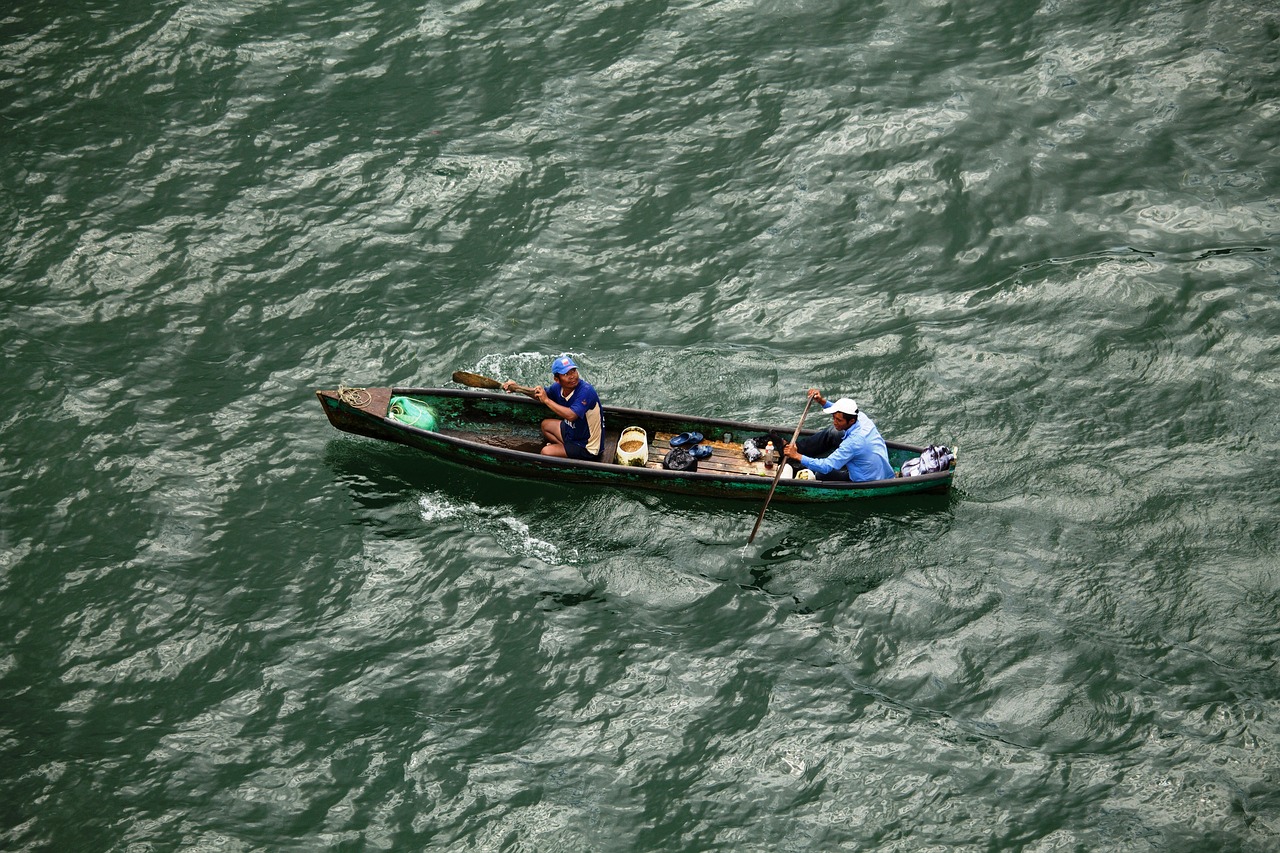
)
(437, 507)
(530, 545)
(512, 534)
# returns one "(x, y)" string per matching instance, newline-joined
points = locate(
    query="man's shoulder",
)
(863, 430)
(589, 391)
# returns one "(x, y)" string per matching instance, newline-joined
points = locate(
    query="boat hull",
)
(499, 433)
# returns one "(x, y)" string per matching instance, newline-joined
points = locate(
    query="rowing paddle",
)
(475, 380)
(777, 475)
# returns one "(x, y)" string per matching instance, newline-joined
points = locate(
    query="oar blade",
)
(475, 380)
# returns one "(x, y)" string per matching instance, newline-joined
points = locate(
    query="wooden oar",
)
(475, 380)
(777, 475)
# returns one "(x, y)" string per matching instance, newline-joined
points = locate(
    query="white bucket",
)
(633, 447)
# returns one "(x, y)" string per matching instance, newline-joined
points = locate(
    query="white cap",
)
(844, 404)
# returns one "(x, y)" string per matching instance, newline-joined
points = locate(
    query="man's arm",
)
(543, 396)
(837, 460)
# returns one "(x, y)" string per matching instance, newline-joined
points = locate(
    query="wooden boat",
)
(499, 432)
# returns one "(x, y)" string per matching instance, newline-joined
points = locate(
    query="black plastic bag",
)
(679, 459)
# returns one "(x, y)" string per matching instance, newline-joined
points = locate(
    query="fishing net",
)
(412, 412)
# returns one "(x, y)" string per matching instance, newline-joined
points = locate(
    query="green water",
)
(1045, 233)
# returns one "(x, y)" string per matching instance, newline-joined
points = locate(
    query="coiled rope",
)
(357, 397)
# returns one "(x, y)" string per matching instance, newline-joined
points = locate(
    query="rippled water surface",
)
(1045, 233)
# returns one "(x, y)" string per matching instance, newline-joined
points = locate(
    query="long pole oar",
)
(475, 380)
(777, 475)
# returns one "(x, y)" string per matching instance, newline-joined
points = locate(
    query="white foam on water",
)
(530, 545)
(436, 507)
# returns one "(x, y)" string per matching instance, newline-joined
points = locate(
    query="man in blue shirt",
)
(577, 431)
(850, 449)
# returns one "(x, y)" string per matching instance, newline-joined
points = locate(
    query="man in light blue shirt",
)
(850, 449)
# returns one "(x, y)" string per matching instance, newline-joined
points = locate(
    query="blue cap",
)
(563, 364)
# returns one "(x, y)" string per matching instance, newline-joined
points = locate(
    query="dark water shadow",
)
(379, 474)
(792, 557)
(793, 544)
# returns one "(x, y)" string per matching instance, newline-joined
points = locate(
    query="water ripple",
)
(1044, 234)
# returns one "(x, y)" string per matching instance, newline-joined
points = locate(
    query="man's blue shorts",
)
(575, 451)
